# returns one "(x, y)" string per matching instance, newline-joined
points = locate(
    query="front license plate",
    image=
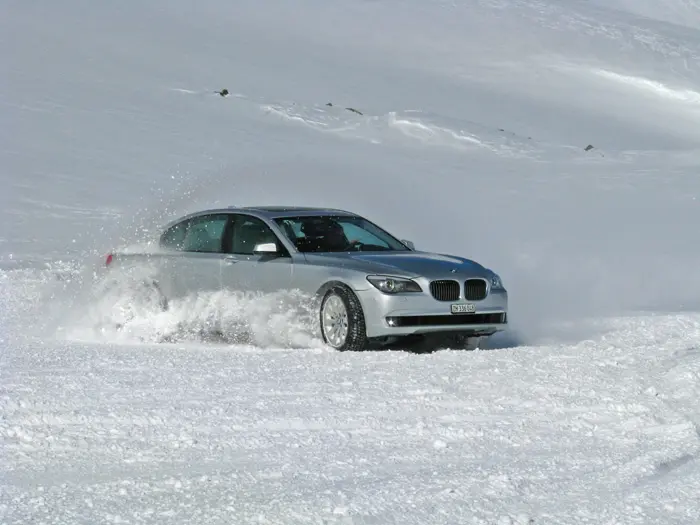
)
(463, 308)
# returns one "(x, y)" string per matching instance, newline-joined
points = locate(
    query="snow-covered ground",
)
(475, 119)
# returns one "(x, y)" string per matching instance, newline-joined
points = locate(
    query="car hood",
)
(402, 264)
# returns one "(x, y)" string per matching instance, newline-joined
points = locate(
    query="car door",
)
(196, 254)
(244, 270)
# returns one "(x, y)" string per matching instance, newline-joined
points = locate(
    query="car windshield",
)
(330, 233)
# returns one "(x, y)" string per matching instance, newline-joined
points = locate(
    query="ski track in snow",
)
(653, 87)
(406, 124)
(410, 127)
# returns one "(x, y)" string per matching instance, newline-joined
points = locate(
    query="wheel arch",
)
(335, 283)
(158, 289)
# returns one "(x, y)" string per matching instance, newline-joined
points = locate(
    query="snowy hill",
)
(471, 138)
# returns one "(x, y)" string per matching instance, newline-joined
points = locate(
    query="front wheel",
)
(342, 320)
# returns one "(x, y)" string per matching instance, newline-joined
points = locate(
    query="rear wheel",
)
(143, 300)
(342, 320)
(120, 300)
(150, 296)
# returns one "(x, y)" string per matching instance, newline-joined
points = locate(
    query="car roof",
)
(267, 212)
(288, 211)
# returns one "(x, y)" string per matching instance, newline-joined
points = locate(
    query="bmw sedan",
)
(373, 289)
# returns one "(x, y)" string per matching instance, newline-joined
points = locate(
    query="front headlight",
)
(496, 283)
(392, 285)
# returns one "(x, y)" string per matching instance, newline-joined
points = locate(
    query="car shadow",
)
(208, 336)
(503, 340)
(499, 341)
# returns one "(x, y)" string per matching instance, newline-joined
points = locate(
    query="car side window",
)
(205, 234)
(174, 236)
(355, 233)
(250, 231)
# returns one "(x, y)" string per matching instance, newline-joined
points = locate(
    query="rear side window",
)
(199, 234)
(174, 237)
(204, 234)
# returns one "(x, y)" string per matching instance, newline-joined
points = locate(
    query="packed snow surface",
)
(461, 125)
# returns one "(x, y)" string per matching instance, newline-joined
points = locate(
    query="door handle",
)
(230, 260)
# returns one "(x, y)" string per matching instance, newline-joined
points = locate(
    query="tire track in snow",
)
(481, 436)
(672, 387)
(686, 96)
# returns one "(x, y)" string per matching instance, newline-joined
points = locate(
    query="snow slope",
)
(475, 116)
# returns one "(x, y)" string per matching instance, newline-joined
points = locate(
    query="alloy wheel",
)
(334, 320)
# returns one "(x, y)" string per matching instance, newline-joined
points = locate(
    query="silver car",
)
(373, 290)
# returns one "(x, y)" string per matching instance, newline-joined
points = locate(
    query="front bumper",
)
(418, 313)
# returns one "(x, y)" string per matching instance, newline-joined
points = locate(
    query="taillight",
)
(109, 259)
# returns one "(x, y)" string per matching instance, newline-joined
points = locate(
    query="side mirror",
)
(409, 244)
(266, 248)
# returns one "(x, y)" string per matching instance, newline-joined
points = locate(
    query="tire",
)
(342, 320)
(150, 293)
